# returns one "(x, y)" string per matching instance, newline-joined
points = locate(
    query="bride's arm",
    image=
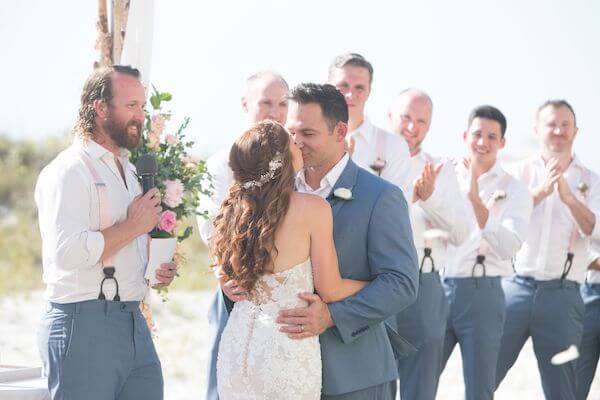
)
(329, 284)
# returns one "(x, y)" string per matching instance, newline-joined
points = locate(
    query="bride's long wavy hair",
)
(243, 243)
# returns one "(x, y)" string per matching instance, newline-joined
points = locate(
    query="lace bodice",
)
(256, 360)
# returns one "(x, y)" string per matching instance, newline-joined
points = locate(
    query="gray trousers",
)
(589, 351)
(475, 322)
(217, 320)
(423, 324)
(99, 350)
(385, 391)
(551, 312)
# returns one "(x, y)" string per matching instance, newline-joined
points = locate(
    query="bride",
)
(276, 244)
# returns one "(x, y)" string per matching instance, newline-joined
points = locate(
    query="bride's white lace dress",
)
(255, 360)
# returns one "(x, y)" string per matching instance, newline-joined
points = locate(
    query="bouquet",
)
(180, 179)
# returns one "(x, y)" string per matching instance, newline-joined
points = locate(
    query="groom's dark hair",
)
(332, 102)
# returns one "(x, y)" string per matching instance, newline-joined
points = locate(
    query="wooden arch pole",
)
(109, 42)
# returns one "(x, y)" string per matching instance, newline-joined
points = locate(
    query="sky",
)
(511, 54)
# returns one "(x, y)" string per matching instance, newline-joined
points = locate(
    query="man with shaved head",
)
(265, 97)
(436, 214)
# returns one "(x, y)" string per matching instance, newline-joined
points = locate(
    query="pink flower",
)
(167, 222)
(158, 124)
(172, 139)
(173, 193)
(153, 140)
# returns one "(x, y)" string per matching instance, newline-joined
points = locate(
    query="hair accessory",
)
(274, 165)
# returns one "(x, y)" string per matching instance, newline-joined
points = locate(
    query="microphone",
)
(147, 168)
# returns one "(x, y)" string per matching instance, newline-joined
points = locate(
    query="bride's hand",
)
(234, 292)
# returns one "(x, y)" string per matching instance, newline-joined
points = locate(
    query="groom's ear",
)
(340, 131)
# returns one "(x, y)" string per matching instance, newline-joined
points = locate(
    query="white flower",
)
(343, 193)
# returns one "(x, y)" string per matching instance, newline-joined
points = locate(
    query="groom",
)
(374, 242)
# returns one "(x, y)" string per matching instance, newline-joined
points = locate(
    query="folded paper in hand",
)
(161, 251)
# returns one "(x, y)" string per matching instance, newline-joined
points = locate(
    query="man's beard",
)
(120, 133)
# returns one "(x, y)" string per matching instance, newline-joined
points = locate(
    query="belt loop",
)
(77, 308)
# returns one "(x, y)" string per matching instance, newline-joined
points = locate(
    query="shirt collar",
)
(330, 178)
(97, 151)
(365, 130)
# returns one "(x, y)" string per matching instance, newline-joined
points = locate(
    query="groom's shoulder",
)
(375, 185)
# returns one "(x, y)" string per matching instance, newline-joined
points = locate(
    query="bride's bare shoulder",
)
(309, 204)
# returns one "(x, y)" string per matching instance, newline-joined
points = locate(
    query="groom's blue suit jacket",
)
(373, 240)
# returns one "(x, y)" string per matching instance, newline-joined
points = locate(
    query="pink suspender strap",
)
(493, 205)
(585, 178)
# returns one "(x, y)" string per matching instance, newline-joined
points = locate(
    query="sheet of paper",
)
(161, 251)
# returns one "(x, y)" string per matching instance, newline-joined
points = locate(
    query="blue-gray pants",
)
(475, 322)
(99, 350)
(551, 312)
(217, 319)
(590, 342)
(423, 324)
(385, 391)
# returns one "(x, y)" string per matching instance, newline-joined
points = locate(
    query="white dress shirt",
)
(217, 166)
(593, 276)
(396, 154)
(444, 210)
(69, 219)
(327, 182)
(547, 242)
(504, 231)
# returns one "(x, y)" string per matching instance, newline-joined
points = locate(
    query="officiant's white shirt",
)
(504, 232)
(396, 154)
(441, 216)
(547, 241)
(327, 182)
(69, 219)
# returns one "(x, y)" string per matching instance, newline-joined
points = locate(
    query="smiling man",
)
(498, 208)
(372, 148)
(542, 298)
(94, 222)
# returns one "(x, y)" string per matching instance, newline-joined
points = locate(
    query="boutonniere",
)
(378, 165)
(343, 193)
(499, 195)
(583, 188)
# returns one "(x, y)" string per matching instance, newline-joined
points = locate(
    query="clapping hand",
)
(425, 185)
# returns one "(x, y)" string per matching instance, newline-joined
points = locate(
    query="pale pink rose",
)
(167, 222)
(171, 139)
(173, 193)
(153, 141)
(158, 124)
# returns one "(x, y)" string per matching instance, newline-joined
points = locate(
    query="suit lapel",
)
(346, 180)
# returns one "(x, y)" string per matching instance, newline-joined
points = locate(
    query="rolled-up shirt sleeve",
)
(64, 203)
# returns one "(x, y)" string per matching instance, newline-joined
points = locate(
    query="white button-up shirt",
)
(396, 155)
(439, 219)
(217, 166)
(547, 242)
(327, 182)
(69, 219)
(504, 231)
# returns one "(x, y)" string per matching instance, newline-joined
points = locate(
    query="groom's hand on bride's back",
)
(303, 322)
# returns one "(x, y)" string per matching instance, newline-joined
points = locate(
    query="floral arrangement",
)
(180, 178)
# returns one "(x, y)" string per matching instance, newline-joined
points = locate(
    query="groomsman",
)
(498, 211)
(437, 215)
(590, 342)
(265, 98)
(542, 298)
(371, 147)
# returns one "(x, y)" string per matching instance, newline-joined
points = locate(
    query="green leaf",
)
(155, 101)
(188, 231)
(165, 96)
(161, 235)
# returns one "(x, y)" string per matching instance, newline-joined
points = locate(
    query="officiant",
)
(94, 220)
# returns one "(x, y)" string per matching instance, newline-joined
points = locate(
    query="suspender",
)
(379, 164)
(585, 177)
(427, 241)
(103, 206)
(494, 209)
